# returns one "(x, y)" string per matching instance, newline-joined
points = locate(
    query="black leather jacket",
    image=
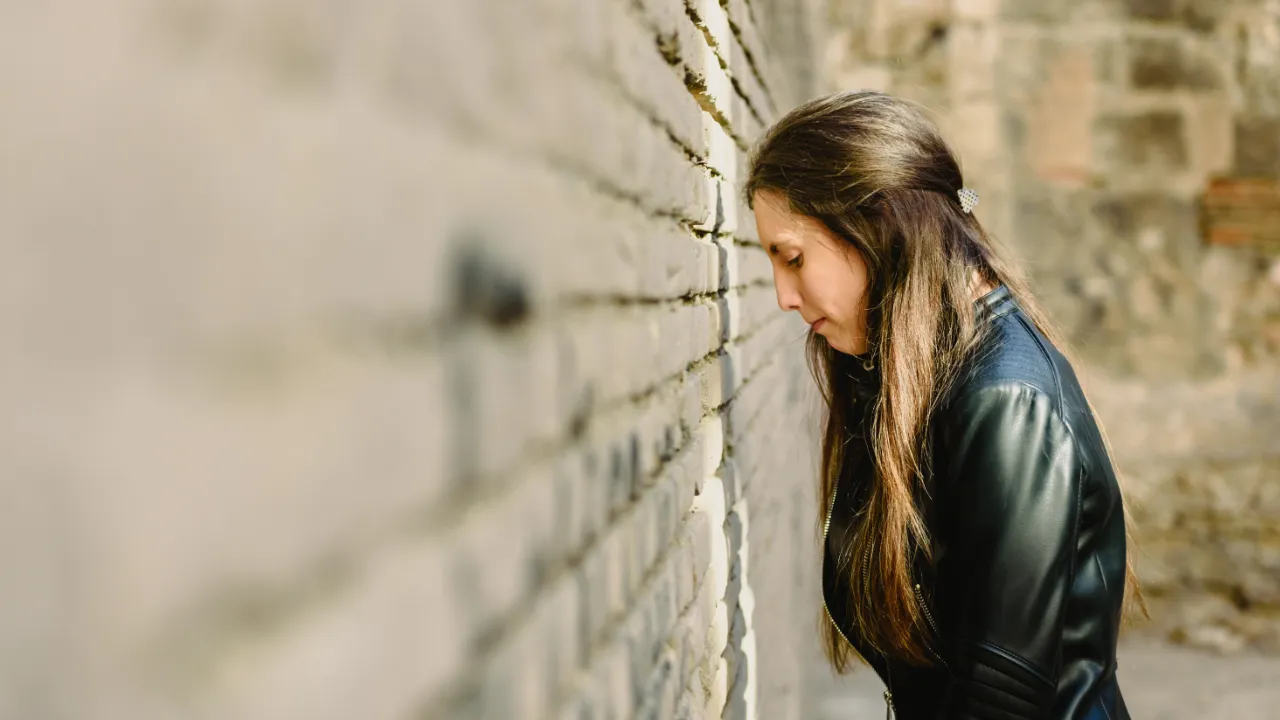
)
(1029, 544)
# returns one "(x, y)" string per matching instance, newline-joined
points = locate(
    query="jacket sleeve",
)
(1008, 510)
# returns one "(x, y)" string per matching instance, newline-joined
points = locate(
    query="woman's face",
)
(815, 273)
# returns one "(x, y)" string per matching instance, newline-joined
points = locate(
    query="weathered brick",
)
(1257, 147)
(620, 353)
(495, 380)
(754, 267)
(1149, 140)
(741, 23)
(378, 621)
(618, 693)
(634, 58)
(501, 550)
(748, 83)
(758, 305)
(1166, 63)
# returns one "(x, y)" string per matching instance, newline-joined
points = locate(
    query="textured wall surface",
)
(398, 360)
(1105, 137)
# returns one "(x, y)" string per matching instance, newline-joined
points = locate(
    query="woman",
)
(974, 531)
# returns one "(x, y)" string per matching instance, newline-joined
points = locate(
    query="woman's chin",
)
(841, 345)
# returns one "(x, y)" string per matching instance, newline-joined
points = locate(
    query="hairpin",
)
(968, 200)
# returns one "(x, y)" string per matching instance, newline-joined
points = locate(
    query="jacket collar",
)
(997, 303)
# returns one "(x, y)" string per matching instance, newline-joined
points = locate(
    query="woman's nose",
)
(788, 294)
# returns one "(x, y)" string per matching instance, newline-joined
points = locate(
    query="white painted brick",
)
(718, 690)
(638, 525)
(781, 336)
(670, 19)
(617, 688)
(754, 399)
(636, 61)
(570, 503)
(498, 549)
(714, 20)
(757, 306)
(748, 84)
(513, 682)
(754, 267)
(563, 643)
(511, 401)
(394, 627)
(664, 17)
(976, 9)
(722, 148)
(593, 601)
(743, 26)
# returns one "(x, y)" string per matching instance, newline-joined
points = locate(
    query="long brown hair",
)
(878, 174)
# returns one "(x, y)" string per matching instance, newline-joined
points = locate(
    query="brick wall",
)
(392, 360)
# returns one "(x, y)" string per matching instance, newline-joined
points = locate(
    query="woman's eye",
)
(794, 262)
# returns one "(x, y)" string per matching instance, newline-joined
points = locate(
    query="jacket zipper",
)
(826, 528)
(928, 616)
(890, 711)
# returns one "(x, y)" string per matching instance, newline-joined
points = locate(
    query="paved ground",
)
(1160, 682)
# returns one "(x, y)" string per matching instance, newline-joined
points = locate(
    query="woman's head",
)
(838, 187)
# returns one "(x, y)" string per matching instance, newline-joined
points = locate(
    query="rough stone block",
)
(1150, 141)
(1257, 147)
(1194, 14)
(1171, 63)
(1158, 10)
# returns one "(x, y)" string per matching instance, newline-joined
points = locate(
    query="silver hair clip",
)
(968, 200)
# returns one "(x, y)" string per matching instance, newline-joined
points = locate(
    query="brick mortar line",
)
(446, 516)
(749, 54)
(758, 283)
(747, 380)
(606, 188)
(405, 335)
(617, 85)
(751, 10)
(750, 423)
(566, 167)
(698, 89)
(615, 624)
(686, 74)
(573, 303)
(714, 44)
(614, 629)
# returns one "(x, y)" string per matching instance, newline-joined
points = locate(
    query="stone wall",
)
(398, 360)
(1106, 137)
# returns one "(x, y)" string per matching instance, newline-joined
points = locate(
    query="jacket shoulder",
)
(1013, 353)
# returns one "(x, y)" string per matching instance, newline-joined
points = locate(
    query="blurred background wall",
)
(397, 360)
(1129, 151)
(415, 359)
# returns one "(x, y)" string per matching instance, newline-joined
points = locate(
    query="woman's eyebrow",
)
(773, 247)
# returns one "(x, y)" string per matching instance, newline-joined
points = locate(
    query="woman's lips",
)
(817, 324)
